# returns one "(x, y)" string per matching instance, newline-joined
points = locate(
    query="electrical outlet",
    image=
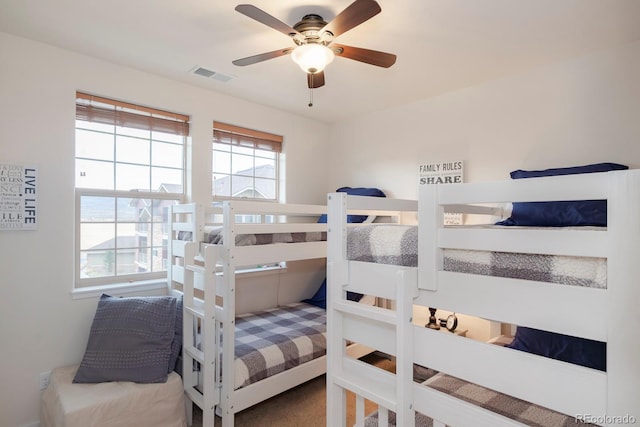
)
(44, 379)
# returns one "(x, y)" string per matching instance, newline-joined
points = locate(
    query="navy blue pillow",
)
(579, 351)
(320, 297)
(562, 213)
(359, 191)
(596, 167)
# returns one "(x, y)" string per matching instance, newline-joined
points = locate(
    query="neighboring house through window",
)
(245, 163)
(129, 168)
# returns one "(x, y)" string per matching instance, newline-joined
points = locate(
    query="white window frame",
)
(142, 278)
(246, 139)
(123, 283)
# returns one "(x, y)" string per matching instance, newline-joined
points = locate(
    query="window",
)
(129, 168)
(245, 163)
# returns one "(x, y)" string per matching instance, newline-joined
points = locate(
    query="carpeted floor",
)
(304, 405)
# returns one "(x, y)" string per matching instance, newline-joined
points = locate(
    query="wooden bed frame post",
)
(211, 344)
(406, 291)
(228, 318)
(187, 325)
(336, 249)
(622, 312)
(430, 216)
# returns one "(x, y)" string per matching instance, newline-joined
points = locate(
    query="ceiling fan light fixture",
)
(312, 57)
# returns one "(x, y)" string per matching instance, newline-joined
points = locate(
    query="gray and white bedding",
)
(384, 244)
(213, 235)
(398, 245)
(576, 271)
(274, 340)
(508, 406)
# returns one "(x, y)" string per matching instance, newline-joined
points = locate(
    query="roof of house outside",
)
(245, 184)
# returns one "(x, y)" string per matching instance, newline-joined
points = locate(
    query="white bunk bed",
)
(207, 251)
(609, 397)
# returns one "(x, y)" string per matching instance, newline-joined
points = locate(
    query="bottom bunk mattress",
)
(398, 245)
(507, 406)
(274, 340)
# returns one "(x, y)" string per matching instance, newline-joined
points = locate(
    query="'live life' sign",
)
(18, 197)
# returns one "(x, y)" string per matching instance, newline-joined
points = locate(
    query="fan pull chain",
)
(311, 92)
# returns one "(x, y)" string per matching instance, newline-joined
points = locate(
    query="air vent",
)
(210, 74)
(203, 72)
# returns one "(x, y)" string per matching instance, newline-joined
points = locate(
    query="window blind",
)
(235, 135)
(97, 109)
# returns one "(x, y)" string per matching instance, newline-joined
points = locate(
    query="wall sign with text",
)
(18, 197)
(443, 173)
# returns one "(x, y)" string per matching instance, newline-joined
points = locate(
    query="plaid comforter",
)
(510, 407)
(213, 235)
(398, 245)
(278, 339)
(384, 244)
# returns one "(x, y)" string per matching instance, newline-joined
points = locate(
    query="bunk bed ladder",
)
(201, 385)
(390, 392)
(182, 218)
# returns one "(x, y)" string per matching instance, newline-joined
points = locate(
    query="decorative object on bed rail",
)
(433, 321)
(451, 322)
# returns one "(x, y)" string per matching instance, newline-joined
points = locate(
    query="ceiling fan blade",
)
(268, 20)
(355, 14)
(262, 57)
(373, 57)
(315, 80)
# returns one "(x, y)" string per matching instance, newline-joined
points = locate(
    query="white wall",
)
(576, 112)
(41, 327)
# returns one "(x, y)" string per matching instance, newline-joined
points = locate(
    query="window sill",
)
(118, 289)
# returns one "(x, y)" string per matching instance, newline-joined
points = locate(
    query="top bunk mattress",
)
(213, 235)
(398, 245)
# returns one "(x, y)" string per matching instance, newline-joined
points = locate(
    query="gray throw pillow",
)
(130, 340)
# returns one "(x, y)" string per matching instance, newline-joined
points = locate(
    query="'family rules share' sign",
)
(443, 173)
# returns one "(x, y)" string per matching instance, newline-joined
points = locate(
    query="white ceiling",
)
(442, 45)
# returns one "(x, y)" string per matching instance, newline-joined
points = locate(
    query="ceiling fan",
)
(314, 37)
